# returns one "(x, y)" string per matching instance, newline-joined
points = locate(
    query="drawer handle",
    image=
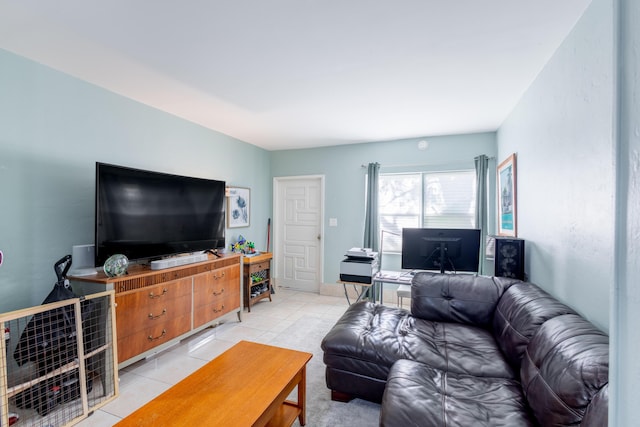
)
(151, 295)
(220, 276)
(152, 317)
(150, 338)
(218, 311)
(218, 293)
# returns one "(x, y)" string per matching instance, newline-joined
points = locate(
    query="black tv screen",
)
(144, 214)
(442, 249)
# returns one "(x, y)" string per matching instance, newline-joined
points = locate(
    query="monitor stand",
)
(443, 243)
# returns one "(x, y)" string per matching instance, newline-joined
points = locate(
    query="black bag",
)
(49, 340)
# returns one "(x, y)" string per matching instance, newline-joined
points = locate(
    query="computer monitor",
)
(441, 249)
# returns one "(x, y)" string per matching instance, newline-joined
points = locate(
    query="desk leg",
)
(346, 294)
(374, 291)
(362, 294)
(367, 290)
(302, 397)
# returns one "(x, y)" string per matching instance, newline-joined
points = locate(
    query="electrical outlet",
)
(333, 222)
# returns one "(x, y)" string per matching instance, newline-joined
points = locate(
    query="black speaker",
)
(509, 258)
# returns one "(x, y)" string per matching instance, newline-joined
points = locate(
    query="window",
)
(428, 199)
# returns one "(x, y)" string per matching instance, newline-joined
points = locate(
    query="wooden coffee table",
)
(247, 385)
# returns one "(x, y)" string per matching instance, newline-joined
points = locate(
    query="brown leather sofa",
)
(473, 351)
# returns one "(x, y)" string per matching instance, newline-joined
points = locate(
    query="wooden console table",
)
(245, 386)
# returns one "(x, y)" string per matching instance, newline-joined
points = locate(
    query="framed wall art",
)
(238, 207)
(507, 201)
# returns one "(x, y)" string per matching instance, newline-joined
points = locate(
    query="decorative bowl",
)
(116, 265)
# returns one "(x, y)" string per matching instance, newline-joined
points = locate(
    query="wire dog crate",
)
(57, 361)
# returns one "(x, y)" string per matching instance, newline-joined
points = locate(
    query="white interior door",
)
(298, 232)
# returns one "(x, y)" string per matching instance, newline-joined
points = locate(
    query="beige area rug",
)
(306, 335)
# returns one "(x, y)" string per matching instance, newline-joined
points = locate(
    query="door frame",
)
(277, 228)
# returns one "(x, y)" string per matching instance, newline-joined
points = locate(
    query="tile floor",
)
(146, 379)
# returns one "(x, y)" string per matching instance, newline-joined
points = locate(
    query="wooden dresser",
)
(157, 308)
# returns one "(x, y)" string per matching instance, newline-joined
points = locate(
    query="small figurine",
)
(243, 246)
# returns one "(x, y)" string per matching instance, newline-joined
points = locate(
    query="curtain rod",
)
(410, 165)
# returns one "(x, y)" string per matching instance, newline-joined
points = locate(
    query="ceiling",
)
(284, 74)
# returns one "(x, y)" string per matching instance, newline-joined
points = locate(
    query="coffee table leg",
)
(302, 397)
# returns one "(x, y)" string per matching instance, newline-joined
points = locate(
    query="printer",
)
(359, 266)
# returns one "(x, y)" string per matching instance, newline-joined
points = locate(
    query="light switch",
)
(333, 222)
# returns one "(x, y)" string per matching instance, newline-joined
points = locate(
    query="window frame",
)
(388, 234)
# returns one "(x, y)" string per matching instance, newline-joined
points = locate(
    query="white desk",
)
(402, 278)
(376, 287)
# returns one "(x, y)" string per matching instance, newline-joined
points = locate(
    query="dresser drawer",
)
(264, 265)
(144, 307)
(151, 337)
(219, 307)
(130, 320)
(150, 294)
(209, 288)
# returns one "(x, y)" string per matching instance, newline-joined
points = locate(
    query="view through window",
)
(426, 199)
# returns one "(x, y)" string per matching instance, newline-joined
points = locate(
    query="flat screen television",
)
(145, 215)
(442, 249)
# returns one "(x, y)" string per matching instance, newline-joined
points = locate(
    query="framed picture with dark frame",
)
(507, 201)
(238, 207)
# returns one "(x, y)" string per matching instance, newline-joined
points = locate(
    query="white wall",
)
(561, 131)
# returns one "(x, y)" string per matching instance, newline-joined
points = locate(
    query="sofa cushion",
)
(565, 370)
(419, 395)
(368, 339)
(597, 414)
(522, 309)
(460, 298)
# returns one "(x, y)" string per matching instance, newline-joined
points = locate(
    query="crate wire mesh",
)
(51, 375)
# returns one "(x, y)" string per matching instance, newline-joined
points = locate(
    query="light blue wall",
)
(562, 132)
(345, 180)
(53, 128)
(625, 334)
